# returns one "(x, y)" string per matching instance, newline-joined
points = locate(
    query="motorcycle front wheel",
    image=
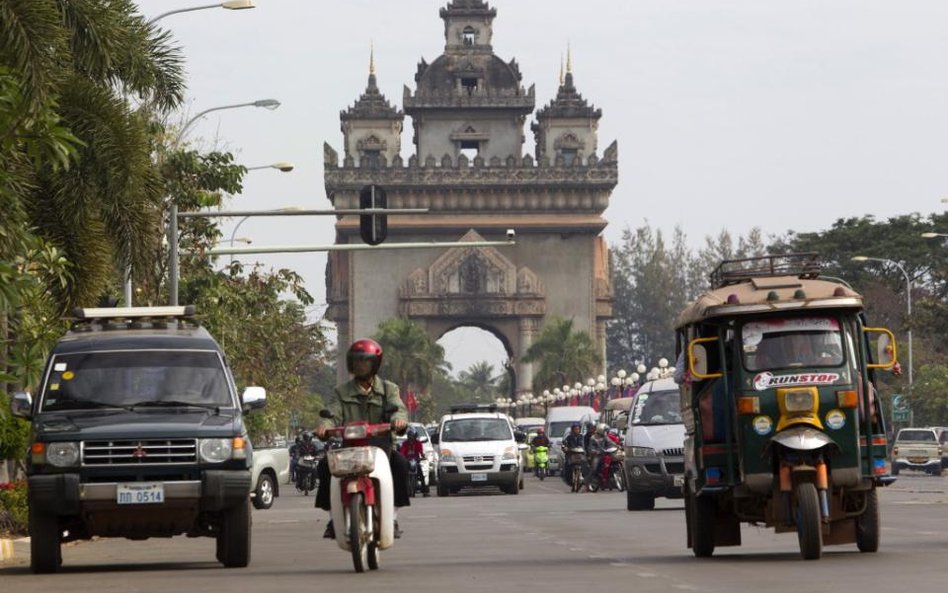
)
(358, 538)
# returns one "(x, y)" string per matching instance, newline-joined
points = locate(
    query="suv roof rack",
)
(472, 408)
(733, 271)
(112, 318)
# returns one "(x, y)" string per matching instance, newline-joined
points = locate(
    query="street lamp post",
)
(270, 104)
(228, 4)
(282, 166)
(908, 300)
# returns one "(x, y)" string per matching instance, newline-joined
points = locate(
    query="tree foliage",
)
(563, 355)
(411, 358)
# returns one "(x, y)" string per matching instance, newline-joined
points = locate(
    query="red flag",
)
(410, 402)
(595, 403)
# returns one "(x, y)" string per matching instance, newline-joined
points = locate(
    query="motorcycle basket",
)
(351, 461)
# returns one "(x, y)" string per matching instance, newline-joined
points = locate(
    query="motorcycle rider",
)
(613, 435)
(305, 447)
(540, 440)
(364, 398)
(295, 457)
(598, 442)
(413, 449)
(575, 439)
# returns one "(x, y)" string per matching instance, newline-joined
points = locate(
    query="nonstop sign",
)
(768, 380)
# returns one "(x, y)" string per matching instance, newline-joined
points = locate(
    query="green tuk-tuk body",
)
(782, 424)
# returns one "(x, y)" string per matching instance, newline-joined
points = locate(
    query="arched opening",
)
(480, 366)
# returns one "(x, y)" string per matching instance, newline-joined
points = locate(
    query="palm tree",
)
(564, 355)
(78, 64)
(479, 380)
(411, 357)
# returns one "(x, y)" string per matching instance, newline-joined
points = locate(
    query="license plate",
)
(678, 481)
(478, 477)
(140, 493)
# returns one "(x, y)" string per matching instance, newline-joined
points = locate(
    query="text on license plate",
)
(478, 477)
(678, 481)
(140, 493)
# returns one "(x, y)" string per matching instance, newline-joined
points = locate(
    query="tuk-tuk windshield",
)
(657, 407)
(794, 342)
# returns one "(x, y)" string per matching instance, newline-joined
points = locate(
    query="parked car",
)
(654, 445)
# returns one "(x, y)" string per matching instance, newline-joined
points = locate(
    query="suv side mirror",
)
(520, 436)
(435, 439)
(21, 405)
(254, 397)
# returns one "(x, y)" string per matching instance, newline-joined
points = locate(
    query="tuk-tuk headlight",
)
(799, 401)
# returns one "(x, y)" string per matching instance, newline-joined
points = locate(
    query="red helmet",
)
(365, 349)
(540, 430)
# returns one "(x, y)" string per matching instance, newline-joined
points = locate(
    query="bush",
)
(14, 512)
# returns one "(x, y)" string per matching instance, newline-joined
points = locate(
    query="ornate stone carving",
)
(330, 156)
(371, 142)
(612, 153)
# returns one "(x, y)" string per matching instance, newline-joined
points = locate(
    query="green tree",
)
(564, 355)
(480, 381)
(412, 359)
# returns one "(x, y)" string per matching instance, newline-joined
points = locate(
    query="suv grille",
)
(674, 452)
(135, 452)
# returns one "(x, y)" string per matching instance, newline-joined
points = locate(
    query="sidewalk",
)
(11, 549)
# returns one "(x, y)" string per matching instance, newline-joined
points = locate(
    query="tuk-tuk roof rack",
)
(734, 271)
(119, 318)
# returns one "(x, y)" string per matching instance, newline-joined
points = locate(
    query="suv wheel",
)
(45, 550)
(233, 541)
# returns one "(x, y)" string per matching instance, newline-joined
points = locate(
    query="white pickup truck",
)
(271, 467)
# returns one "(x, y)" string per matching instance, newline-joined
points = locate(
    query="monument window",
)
(469, 83)
(372, 158)
(470, 148)
(468, 36)
(569, 155)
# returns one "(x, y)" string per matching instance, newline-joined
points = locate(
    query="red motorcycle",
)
(361, 493)
(611, 475)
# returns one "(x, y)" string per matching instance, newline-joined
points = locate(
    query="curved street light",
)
(270, 104)
(935, 235)
(228, 4)
(281, 166)
(908, 300)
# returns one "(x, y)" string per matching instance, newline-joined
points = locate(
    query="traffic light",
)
(373, 227)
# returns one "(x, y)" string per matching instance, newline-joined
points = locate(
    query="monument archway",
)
(469, 101)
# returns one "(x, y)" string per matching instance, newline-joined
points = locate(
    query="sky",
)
(728, 113)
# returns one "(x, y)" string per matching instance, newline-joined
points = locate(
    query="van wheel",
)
(867, 524)
(45, 548)
(639, 501)
(442, 490)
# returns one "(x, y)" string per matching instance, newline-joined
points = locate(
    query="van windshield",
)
(657, 407)
(788, 343)
(136, 378)
(558, 429)
(476, 429)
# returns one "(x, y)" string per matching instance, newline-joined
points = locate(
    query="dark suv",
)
(137, 432)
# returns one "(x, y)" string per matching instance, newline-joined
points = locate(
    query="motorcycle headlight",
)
(642, 452)
(62, 454)
(799, 400)
(216, 450)
(510, 453)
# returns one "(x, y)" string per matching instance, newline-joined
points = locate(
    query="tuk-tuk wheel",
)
(703, 511)
(867, 524)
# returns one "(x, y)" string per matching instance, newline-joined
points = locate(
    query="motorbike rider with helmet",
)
(365, 398)
(573, 440)
(413, 449)
(540, 440)
(613, 435)
(598, 443)
(295, 457)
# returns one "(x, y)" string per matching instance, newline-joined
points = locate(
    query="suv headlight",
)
(62, 454)
(642, 452)
(447, 455)
(216, 450)
(510, 454)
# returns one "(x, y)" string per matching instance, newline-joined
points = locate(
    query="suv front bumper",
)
(656, 476)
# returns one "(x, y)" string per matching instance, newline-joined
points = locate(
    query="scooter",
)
(610, 470)
(541, 461)
(361, 493)
(418, 476)
(306, 474)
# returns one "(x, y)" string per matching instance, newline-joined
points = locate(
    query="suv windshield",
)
(136, 377)
(796, 342)
(476, 429)
(657, 407)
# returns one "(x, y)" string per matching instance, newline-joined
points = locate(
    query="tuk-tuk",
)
(783, 425)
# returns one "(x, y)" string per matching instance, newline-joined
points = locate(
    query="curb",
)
(6, 549)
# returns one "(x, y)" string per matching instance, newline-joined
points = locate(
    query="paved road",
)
(545, 537)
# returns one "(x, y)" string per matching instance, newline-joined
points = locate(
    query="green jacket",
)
(351, 405)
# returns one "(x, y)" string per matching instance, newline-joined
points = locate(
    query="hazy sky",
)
(729, 114)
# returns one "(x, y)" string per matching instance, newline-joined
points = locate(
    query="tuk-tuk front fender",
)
(803, 438)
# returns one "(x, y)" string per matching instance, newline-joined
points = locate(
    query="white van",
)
(478, 449)
(654, 445)
(558, 421)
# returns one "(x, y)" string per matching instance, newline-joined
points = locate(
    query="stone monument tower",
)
(468, 113)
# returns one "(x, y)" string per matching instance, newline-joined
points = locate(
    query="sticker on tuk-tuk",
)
(59, 367)
(68, 376)
(768, 380)
(835, 419)
(762, 425)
